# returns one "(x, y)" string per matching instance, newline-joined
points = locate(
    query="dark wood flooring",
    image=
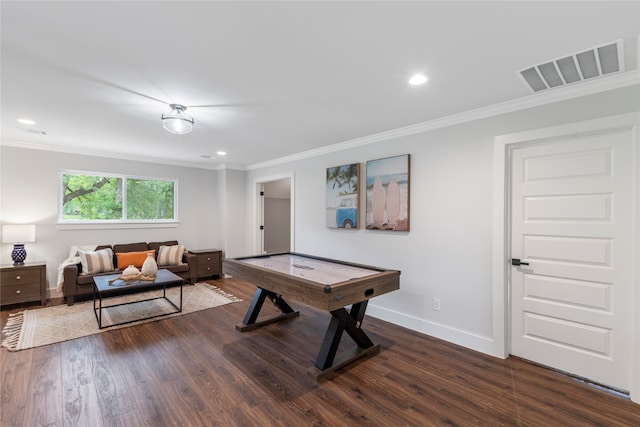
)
(197, 370)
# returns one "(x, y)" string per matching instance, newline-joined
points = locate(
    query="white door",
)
(572, 306)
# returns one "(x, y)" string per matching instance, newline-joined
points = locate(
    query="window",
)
(89, 197)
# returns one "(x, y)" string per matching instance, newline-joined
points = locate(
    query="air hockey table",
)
(326, 284)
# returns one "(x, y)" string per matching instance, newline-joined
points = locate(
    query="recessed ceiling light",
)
(418, 79)
(221, 153)
(25, 121)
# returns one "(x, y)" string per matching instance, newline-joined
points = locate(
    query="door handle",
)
(516, 261)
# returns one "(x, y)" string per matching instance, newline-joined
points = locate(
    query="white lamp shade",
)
(18, 233)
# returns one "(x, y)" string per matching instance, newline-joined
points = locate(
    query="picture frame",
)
(388, 195)
(343, 196)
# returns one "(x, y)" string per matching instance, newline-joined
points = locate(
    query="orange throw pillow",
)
(125, 259)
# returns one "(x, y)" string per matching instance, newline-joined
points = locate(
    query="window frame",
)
(124, 222)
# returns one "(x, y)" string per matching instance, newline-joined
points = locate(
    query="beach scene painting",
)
(343, 196)
(388, 194)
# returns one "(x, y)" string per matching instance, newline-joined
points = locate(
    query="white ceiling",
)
(279, 78)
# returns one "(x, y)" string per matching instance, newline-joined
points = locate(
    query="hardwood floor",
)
(197, 370)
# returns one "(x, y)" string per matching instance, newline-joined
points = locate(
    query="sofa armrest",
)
(70, 283)
(190, 259)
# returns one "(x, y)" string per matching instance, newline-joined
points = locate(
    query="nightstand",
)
(23, 283)
(208, 262)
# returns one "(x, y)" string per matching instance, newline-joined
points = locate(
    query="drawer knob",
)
(18, 277)
(18, 291)
(208, 268)
(208, 258)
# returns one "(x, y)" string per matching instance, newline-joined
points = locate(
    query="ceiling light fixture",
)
(418, 79)
(26, 121)
(221, 153)
(177, 121)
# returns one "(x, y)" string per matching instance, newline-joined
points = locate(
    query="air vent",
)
(575, 68)
(206, 156)
(33, 131)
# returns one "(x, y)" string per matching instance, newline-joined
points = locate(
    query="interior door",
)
(572, 305)
(276, 216)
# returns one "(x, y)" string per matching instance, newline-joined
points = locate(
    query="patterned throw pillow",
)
(96, 261)
(170, 255)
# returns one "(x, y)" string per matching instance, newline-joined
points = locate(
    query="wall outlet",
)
(436, 304)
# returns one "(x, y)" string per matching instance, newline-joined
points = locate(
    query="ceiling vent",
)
(33, 131)
(575, 68)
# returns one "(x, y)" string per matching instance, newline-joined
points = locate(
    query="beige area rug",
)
(43, 326)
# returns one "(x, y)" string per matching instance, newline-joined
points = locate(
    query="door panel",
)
(593, 207)
(571, 307)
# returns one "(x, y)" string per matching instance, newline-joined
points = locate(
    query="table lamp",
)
(18, 234)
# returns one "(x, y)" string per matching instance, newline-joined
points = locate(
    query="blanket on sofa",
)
(73, 258)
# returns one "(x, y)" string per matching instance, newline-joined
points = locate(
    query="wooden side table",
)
(208, 262)
(23, 283)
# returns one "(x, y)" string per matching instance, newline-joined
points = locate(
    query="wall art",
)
(343, 196)
(388, 193)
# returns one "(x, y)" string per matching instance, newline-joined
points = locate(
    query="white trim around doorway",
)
(501, 227)
(257, 219)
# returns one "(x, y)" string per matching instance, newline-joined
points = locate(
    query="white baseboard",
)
(466, 339)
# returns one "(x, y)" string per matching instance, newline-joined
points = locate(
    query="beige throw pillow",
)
(170, 255)
(96, 261)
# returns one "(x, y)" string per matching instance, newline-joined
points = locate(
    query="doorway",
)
(274, 214)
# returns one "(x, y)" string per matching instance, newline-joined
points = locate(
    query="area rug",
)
(43, 326)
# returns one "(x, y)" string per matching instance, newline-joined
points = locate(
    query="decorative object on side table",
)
(23, 283)
(18, 234)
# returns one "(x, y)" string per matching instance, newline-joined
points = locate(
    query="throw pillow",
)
(170, 255)
(96, 261)
(125, 259)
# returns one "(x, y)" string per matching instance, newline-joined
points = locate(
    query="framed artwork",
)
(388, 193)
(343, 196)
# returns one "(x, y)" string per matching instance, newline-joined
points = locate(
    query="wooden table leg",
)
(250, 319)
(343, 320)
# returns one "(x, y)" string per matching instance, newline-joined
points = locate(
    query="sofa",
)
(77, 284)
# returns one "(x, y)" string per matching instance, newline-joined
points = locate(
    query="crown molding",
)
(551, 96)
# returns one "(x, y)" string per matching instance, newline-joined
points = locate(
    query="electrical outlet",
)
(436, 304)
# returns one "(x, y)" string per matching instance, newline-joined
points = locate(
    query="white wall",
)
(29, 194)
(447, 254)
(233, 228)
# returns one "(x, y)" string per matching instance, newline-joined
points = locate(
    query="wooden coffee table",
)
(103, 289)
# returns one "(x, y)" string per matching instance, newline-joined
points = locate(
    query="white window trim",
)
(65, 224)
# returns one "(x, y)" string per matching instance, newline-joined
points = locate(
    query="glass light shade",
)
(18, 233)
(177, 122)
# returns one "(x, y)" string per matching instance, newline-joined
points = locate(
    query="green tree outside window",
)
(87, 197)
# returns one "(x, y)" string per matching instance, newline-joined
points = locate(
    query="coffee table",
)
(103, 289)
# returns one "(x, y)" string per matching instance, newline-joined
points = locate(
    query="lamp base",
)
(18, 254)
